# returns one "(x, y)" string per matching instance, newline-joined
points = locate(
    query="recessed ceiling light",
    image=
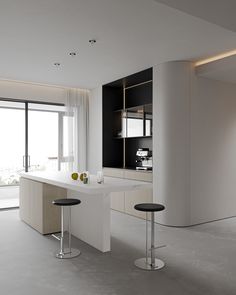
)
(92, 41)
(57, 64)
(72, 53)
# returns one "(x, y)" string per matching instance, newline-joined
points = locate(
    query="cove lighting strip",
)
(214, 58)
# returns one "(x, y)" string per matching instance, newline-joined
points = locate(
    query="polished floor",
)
(200, 260)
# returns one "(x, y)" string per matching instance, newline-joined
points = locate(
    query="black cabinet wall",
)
(131, 91)
(112, 148)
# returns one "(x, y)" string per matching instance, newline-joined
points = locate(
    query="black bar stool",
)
(149, 263)
(62, 254)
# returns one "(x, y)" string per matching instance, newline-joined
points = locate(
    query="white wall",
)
(213, 150)
(28, 91)
(95, 130)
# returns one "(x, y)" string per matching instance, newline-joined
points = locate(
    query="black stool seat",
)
(66, 202)
(149, 207)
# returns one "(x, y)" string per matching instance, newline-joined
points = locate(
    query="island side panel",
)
(36, 207)
(90, 220)
(31, 203)
(52, 213)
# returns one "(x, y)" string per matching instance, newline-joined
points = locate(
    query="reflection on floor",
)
(199, 261)
(9, 197)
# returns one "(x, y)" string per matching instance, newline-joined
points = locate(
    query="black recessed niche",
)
(127, 119)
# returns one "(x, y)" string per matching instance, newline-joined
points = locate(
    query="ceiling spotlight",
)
(57, 64)
(72, 54)
(92, 41)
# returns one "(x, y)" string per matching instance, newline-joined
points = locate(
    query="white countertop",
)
(63, 179)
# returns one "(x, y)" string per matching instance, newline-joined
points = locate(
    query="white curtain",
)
(77, 101)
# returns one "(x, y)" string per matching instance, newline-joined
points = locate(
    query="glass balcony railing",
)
(11, 176)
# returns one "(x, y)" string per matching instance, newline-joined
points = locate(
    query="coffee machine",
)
(143, 159)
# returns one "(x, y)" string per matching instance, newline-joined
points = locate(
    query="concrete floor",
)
(199, 261)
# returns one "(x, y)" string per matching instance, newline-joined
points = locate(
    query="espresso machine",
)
(143, 159)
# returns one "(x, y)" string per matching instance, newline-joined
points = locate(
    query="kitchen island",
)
(90, 221)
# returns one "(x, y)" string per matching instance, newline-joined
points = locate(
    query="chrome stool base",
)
(144, 263)
(68, 254)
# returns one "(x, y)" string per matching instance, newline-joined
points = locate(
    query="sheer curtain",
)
(77, 101)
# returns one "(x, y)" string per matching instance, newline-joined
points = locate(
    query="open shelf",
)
(149, 136)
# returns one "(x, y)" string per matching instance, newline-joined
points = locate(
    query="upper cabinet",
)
(127, 119)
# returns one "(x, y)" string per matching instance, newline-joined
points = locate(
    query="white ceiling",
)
(131, 35)
(220, 12)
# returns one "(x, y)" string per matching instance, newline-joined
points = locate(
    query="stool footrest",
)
(157, 247)
(56, 237)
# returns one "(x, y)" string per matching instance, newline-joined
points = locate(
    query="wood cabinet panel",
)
(24, 200)
(135, 197)
(36, 207)
(125, 201)
(138, 175)
(52, 213)
(113, 172)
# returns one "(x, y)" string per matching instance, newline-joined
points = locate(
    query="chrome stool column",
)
(149, 263)
(70, 252)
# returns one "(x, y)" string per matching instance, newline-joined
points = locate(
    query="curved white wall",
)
(171, 141)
